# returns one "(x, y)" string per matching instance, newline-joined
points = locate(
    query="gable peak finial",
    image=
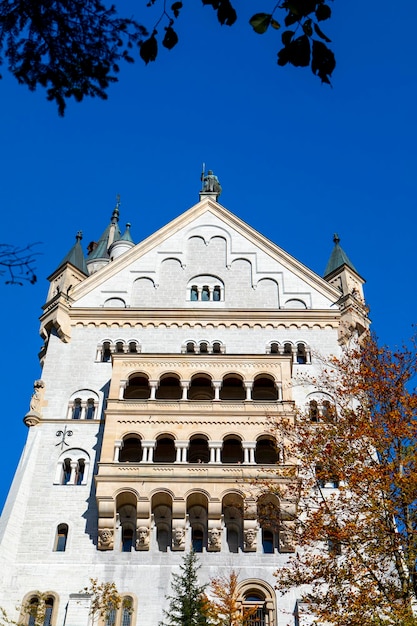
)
(79, 235)
(210, 184)
(336, 238)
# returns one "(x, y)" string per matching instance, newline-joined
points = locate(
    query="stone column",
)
(153, 384)
(118, 445)
(122, 387)
(215, 448)
(181, 448)
(73, 476)
(185, 385)
(248, 387)
(278, 385)
(216, 384)
(248, 452)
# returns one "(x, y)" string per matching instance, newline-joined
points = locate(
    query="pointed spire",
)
(111, 234)
(126, 235)
(76, 255)
(338, 258)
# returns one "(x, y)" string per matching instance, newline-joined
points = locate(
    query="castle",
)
(161, 364)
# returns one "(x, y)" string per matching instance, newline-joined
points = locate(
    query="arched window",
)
(264, 389)
(274, 348)
(131, 451)
(203, 347)
(328, 411)
(133, 347)
(120, 347)
(90, 409)
(190, 348)
(217, 347)
(194, 293)
(232, 388)
(216, 293)
(232, 451)
(257, 599)
(61, 538)
(198, 451)
(123, 616)
(266, 451)
(314, 411)
(164, 450)
(301, 354)
(200, 388)
(126, 505)
(169, 389)
(137, 388)
(76, 409)
(232, 508)
(205, 293)
(72, 469)
(39, 610)
(197, 515)
(254, 607)
(106, 352)
(287, 348)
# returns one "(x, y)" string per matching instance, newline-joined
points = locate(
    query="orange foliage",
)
(356, 528)
(226, 609)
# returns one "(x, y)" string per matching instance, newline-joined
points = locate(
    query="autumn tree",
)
(17, 264)
(188, 603)
(356, 527)
(74, 48)
(37, 610)
(105, 600)
(224, 607)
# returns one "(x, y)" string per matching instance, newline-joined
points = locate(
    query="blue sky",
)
(297, 160)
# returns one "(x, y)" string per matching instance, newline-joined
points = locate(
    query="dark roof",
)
(338, 258)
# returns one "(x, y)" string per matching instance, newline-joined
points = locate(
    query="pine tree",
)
(187, 604)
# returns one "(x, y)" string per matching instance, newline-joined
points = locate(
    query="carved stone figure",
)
(287, 538)
(211, 183)
(142, 541)
(105, 539)
(178, 539)
(214, 539)
(35, 401)
(250, 539)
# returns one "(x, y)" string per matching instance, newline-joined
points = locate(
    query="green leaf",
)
(323, 12)
(323, 61)
(307, 28)
(149, 49)
(175, 8)
(260, 22)
(320, 33)
(286, 37)
(170, 39)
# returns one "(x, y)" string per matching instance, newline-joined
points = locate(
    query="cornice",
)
(203, 319)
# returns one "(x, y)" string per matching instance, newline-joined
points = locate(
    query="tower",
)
(162, 363)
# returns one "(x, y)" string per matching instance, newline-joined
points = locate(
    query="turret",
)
(71, 271)
(122, 245)
(342, 274)
(98, 252)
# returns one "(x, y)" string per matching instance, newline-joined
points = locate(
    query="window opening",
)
(216, 348)
(127, 539)
(61, 538)
(119, 347)
(66, 474)
(216, 294)
(133, 347)
(197, 538)
(76, 411)
(80, 472)
(268, 541)
(190, 347)
(301, 354)
(203, 347)
(90, 410)
(205, 294)
(314, 411)
(194, 293)
(106, 355)
(274, 348)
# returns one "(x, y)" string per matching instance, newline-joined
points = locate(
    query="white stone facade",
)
(159, 372)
